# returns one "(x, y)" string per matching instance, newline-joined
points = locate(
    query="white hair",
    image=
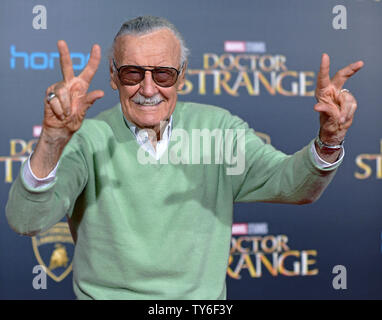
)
(147, 24)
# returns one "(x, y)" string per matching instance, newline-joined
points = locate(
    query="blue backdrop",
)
(259, 59)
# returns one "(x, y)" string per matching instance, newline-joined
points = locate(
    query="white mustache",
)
(147, 101)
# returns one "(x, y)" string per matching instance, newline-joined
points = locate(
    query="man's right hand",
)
(63, 114)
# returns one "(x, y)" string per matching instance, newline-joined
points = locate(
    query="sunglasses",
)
(130, 75)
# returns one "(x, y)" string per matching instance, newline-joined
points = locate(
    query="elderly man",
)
(159, 230)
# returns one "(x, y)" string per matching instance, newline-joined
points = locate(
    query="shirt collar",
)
(135, 130)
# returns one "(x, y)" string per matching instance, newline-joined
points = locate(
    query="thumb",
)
(91, 97)
(323, 108)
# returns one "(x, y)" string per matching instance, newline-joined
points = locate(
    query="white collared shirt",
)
(142, 138)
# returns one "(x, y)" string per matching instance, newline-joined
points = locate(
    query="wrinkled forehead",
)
(157, 48)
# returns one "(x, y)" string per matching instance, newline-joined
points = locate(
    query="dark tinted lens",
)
(165, 77)
(131, 75)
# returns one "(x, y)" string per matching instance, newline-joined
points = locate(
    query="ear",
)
(113, 83)
(182, 77)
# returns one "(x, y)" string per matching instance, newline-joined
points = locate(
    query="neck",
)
(156, 132)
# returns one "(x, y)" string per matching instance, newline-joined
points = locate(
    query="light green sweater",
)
(157, 231)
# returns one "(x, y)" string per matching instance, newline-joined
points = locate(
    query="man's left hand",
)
(336, 107)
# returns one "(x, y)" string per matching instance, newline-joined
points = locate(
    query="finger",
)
(323, 78)
(95, 57)
(343, 101)
(49, 90)
(352, 111)
(55, 105)
(348, 105)
(64, 98)
(65, 61)
(344, 74)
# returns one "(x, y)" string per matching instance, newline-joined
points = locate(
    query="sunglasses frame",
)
(144, 69)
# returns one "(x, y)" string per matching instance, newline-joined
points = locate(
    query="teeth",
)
(150, 104)
(145, 101)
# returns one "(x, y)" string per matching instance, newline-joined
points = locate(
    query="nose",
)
(148, 86)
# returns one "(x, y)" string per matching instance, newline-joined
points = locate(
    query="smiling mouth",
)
(145, 105)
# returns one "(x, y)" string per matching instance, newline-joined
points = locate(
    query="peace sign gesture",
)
(68, 100)
(65, 108)
(335, 104)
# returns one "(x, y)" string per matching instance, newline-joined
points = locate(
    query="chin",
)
(149, 121)
(149, 124)
(152, 118)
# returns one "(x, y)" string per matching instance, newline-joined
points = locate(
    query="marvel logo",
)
(249, 228)
(239, 229)
(258, 47)
(234, 46)
(245, 46)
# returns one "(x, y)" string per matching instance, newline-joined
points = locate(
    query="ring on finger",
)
(344, 90)
(50, 96)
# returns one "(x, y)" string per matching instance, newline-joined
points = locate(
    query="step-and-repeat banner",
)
(258, 59)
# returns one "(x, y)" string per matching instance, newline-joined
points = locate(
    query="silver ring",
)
(344, 90)
(50, 96)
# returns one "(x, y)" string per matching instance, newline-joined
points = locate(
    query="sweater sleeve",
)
(31, 210)
(270, 175)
